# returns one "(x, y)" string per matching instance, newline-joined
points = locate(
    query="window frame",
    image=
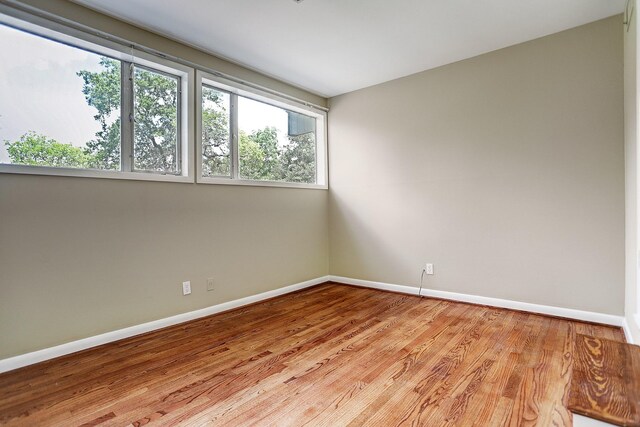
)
(40, 27)
(235, 90)
(131, 139)
(232, 153)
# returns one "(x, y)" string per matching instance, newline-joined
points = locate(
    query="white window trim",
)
(79, 39)
(209, 79)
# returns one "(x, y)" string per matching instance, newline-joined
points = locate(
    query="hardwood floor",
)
(332, 355)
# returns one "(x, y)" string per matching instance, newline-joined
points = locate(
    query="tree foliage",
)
(251, 157)
(263, 158)
(216, 160)
(264, 162)
(37, 150)
(299, 159)
(155, 144)
(155, 117)
(102, 91)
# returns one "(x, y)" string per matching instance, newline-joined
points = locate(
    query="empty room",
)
(319, 213)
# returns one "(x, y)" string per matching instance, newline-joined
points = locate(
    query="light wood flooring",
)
(331, 355)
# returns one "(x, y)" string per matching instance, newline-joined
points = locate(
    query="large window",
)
(80, 104)
(71, 106)
(254, 138)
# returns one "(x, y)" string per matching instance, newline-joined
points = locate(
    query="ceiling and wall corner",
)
(330, 47)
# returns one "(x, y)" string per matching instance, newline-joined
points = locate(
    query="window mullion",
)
(235, 141)
(126, 119)
(179, 125)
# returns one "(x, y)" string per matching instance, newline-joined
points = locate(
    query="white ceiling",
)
(331, 47)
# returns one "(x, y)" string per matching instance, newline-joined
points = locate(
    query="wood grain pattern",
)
(606, 381)
(331, 355)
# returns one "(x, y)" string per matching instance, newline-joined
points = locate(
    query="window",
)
(216, 133)
(50, 94)
(75, 103)
(156, 142)
(255, 138)
(271, 145)
(83, 106)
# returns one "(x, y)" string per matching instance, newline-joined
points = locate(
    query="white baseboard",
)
(375, 285)
(627, 331)
(629, 321)
(588, 316)
(16, 362)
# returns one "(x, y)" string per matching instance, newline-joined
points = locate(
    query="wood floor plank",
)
(331, 355)
(489, 401)
(606, 381)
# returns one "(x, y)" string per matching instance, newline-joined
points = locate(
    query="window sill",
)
(90, 173)
(244, 182)
(141, 176)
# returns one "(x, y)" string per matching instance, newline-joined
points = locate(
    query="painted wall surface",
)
(631, 173)
(85, 256)
(82, 256)
(505, 170)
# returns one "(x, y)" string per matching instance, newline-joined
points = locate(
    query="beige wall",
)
(84, 256)
(505, 170)
(631, 175)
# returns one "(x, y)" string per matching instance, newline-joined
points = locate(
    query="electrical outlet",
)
(186, 288)
(210, 284)
(429, 269)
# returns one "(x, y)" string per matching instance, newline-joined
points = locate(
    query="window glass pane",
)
(216, 145)
(59, 105)
(275, 144)
(155, 143)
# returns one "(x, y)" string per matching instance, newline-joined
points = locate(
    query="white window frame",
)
(85, 41)
(234, 88)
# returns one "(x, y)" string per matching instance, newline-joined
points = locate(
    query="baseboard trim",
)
(22, 360)
(629, 321)
(627, 331)
(570, 313)
(375, 285)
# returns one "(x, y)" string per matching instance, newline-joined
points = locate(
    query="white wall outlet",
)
(428, 268)
(186, 288)
(210, 284)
